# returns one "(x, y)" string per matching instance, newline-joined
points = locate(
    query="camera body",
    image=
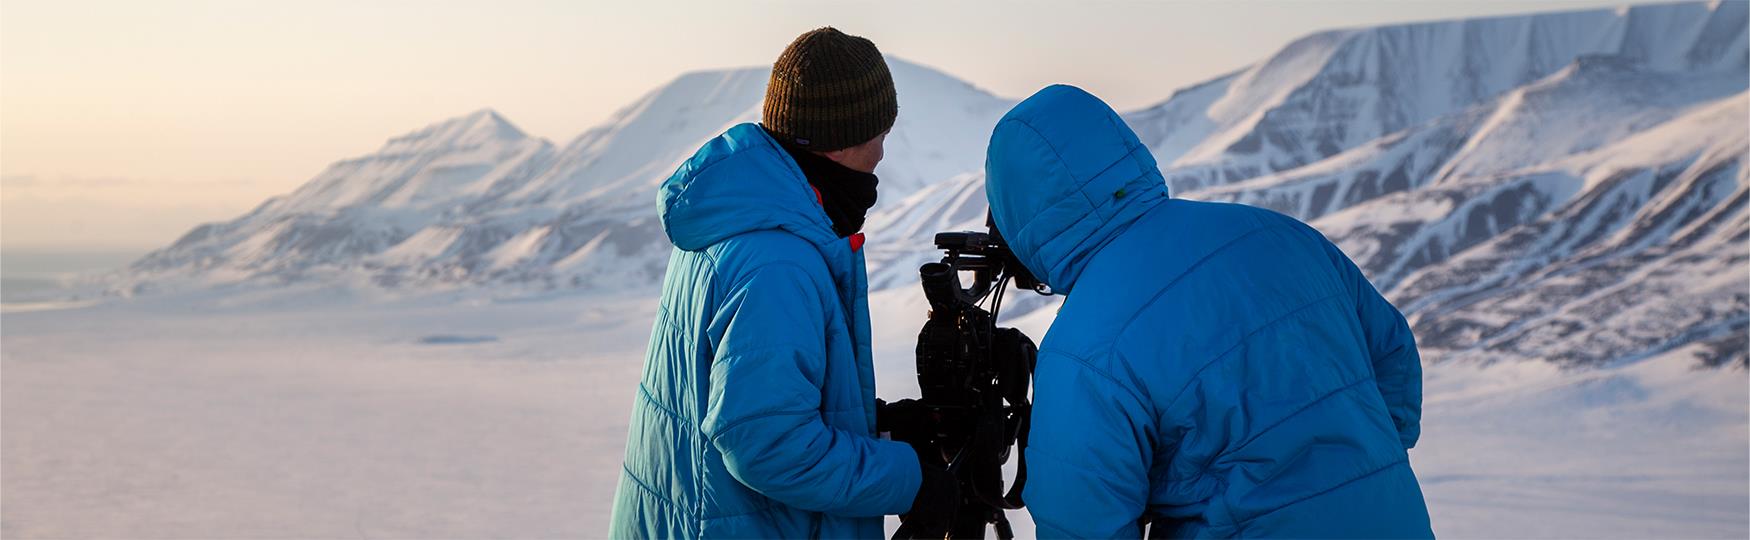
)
(966, 363)
(975, 376)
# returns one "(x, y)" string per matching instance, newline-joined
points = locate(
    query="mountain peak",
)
(486, 122)
(479, 127)
(489, 116)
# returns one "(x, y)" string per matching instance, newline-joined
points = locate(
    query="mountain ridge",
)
(1436, 154)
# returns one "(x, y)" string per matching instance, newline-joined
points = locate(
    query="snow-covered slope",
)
(1595, 101)
(1338, 90)
(355, 209)
(1566, 186)
(473, 200)
(1587, 212)
(1639, 247)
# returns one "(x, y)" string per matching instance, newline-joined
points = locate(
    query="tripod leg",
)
(970, 521)
(1004, 531)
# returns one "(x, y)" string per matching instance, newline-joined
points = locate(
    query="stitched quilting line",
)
(1102, 373)
(644, 392)
(1242, 341)
(652, 491)
(1296, 412)
(1188, 270)
(731, 427)
(1339, 485)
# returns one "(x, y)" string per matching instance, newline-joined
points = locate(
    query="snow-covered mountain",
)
(1337, 90)
(1566, 186)
(473, 200)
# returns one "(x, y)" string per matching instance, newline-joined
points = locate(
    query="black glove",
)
(932, 511)
(907, 421)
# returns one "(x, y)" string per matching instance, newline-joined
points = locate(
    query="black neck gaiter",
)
(846, 194)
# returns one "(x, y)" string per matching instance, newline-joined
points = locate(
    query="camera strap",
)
(1014, 495)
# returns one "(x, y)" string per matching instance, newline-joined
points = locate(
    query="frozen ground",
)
(331, 417)
(174, 420)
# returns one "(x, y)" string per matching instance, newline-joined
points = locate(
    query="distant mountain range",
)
(473, 200)
(1566, 186)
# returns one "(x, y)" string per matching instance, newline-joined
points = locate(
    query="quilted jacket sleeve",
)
(764, 412)
(1088, 453)
(1397, 367)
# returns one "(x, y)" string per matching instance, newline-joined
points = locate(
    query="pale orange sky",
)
(124, 123)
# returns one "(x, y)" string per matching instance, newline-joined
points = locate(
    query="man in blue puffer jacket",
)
(1218, 369)
(755, 417)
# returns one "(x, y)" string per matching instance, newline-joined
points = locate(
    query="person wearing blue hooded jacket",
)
(1216, 370)
(756, 413)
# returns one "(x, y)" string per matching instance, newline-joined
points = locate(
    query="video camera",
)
(975, 377)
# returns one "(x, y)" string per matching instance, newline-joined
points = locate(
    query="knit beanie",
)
(829, 91)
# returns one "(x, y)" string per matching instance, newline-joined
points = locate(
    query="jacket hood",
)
(1065, 175)
(739, 182)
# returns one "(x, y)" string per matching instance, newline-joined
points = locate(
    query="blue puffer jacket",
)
(1222, 367)
(756, 413)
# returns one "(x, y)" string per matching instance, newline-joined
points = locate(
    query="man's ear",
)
(840, 156)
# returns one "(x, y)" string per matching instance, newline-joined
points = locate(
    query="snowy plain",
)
(306, 413)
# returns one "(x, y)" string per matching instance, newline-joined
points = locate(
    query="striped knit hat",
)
(829, 91)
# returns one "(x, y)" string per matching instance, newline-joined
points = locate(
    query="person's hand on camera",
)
(906, 420)
(933, 509)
